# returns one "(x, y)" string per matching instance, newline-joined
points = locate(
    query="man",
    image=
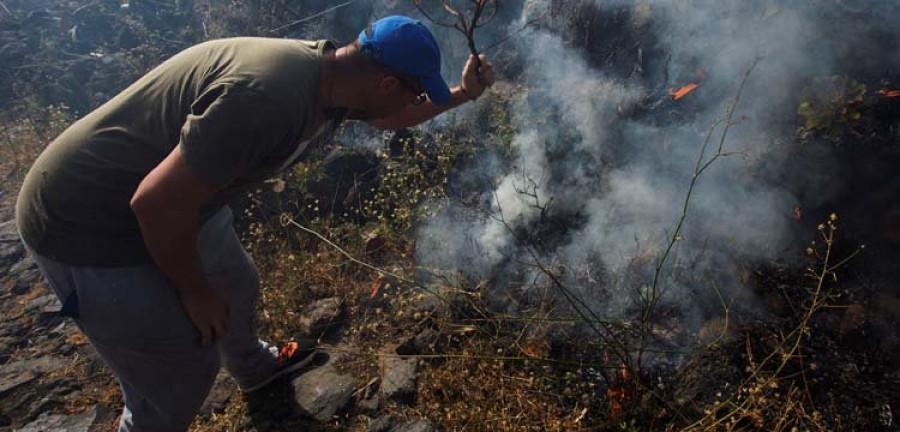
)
(125, 211)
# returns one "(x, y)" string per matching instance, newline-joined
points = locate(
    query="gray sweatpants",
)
(134, 319)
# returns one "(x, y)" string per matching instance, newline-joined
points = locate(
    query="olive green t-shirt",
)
(241, 109)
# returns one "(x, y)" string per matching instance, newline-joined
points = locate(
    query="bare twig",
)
(788, 350)
(287, 220)
(465, 24)
(701, 166)
(506, 38)
(601, 328)
(81, 8)
(312, 17)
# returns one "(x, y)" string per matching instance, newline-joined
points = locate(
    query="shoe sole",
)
(282, 372)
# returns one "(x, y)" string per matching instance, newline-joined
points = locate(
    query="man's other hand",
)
(209, 312)
(474, 84)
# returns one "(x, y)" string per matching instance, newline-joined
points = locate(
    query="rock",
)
(427, 303)
(21, 372)
(323, 393)
(25, 280)
(9, 232)
(44, 304)
(60, 329)
(427, 340)
(369, 405)
(368, 402)
(58, 422)
(398, 377)
(8, 346)
(321, 317)
(423, 425)
(11, 249)
(423, 343)
(218, 397)
(12, 329)
(25, 264)
(43, 396)
(385, 423)
(348, 177)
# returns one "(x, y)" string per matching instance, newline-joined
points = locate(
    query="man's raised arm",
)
(473, 85)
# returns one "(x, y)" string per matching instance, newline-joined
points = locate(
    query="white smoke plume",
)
(603, 157)
(626, 177)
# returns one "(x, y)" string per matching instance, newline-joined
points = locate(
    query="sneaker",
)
(292, 356)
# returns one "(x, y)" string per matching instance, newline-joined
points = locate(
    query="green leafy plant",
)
(832, 105)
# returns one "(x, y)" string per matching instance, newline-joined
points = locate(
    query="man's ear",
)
(388, 83)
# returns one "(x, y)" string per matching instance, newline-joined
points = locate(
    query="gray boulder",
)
(58, 422)
(321, 317)
(323, 393)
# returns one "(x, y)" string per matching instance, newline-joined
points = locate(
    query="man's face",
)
(389, 94)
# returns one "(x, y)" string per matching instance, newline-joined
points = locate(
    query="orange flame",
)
(889, 93)
(682, 92)
(376, 285)
(618, 395)
(615, 405)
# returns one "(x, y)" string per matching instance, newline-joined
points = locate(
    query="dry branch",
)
(465, 24)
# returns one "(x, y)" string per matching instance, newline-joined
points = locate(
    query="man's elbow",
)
(153, 209)
(142, 205)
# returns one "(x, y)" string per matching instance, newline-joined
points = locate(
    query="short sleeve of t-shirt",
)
(229, 130)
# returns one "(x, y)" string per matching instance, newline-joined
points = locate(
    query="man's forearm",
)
(171, 239)
(167, 205)
(415, 114)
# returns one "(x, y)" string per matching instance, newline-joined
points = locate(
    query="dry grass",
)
(25, 131)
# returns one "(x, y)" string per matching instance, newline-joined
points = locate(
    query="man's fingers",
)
(470, 65)
(486, 76)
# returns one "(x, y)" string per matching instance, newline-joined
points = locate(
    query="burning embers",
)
(687, 89)
(682, 92)
(618, 394)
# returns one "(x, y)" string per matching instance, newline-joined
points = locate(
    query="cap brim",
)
(437, 89)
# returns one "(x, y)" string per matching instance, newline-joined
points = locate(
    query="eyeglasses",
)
(421, 97)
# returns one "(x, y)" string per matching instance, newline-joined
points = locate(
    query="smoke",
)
(603, 158)
(620, 180)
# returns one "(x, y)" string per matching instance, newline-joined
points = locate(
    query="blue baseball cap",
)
(405, 45)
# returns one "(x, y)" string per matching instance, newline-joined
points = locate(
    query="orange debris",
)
(682, 92)
(889, 93)
(376, 285)
(287, 351)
